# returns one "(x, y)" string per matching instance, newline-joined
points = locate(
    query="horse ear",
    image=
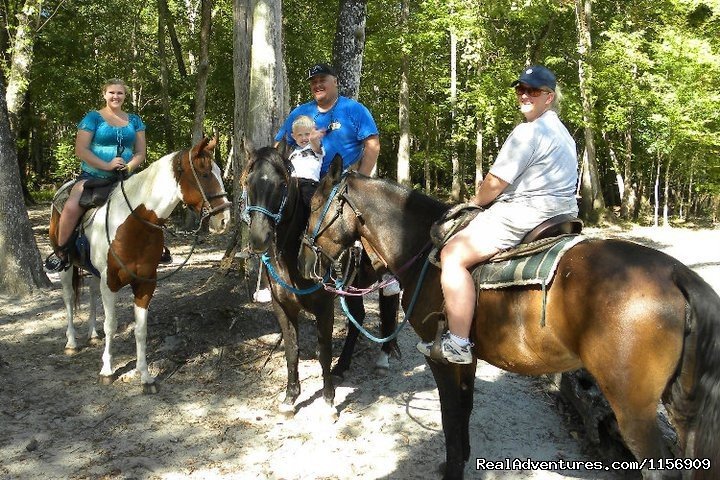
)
(284, 149)
(210, 143)
(336, 168)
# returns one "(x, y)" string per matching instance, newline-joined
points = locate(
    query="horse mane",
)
(414, 198)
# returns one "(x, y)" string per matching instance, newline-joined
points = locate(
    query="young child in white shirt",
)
(307, 158)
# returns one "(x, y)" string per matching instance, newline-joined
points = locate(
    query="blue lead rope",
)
(271, 270)
(393, 335)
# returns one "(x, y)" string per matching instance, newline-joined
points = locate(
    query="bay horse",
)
(126, 242)
(642, 323)
(274, 210)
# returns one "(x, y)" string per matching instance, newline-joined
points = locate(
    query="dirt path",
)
(221, 378)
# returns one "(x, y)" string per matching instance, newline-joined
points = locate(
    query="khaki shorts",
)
(504, 224)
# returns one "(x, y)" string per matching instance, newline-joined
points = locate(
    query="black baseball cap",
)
(320, 69)
(537, 76)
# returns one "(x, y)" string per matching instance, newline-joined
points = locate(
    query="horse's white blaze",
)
(218, 223)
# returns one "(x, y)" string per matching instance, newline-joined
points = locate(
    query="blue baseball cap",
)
(537, 76)
(320, 69)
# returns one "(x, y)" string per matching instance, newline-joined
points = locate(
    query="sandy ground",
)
(221, 378)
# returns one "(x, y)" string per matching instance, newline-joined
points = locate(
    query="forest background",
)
(641, 82)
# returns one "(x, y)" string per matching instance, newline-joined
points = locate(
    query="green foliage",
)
(654, 72)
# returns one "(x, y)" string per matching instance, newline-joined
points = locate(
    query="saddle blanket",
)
(536, 269)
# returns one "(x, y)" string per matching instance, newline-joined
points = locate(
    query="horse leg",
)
(289, 327)
(110, 326)
(68, 294)
(325, 319)
(345, 358)
(388, 323)
(456, 388)
(93, 337)
(143, 292)
(634, 399)
(357, 310)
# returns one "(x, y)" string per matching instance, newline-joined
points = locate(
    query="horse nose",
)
(258, 241)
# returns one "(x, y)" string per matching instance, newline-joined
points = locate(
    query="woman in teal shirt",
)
(108, 140)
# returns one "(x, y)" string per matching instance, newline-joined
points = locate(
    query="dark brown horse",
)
(274, 206)
(642, 323)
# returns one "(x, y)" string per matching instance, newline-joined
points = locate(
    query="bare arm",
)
(490, 188)
(140, 151)
(371, 151)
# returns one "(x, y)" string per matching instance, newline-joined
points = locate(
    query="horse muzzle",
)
(219, 218)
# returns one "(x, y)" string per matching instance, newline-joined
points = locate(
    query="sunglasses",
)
(529, 91)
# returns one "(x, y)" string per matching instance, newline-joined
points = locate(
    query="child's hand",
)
(316, 137)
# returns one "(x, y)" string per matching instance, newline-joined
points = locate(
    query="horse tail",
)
(702, 404)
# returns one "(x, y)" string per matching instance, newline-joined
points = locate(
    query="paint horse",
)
(126, 242)
(274, 210)
(642, 323)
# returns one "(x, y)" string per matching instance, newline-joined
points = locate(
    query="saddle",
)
(540, 238)
(95, 193)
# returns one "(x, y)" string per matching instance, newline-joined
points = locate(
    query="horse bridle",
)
(339, 195)
(206, 211)
(277, 216)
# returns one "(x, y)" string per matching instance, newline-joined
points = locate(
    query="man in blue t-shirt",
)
(349, 128)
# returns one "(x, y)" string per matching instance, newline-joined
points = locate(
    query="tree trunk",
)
(592, 200)
(20, 265)
(18, 76)
(479, 135)
(267, 82)
(687, 199)
(164, 11)
(203, 71)
(615, 165)
(456, 191)
(629, 200)
(164, 79)
(242, 51)
(657, 194)
(349, 46)
(191, 12)
(403, 162)
(666, 194)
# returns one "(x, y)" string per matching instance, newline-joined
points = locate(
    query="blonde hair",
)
(303, 121)
(113, 81)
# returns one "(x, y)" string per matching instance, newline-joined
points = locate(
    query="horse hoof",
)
(150, 388)
(331, 413)
(287, 410)
(106, 379)
(95, 342)
(382, 370)
(71, 351)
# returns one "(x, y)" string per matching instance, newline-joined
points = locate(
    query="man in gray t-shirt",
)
(538, 159)
(533, 179)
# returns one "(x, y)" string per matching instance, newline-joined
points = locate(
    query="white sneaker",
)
(391, 289)
(262, 296)
(452, 352)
